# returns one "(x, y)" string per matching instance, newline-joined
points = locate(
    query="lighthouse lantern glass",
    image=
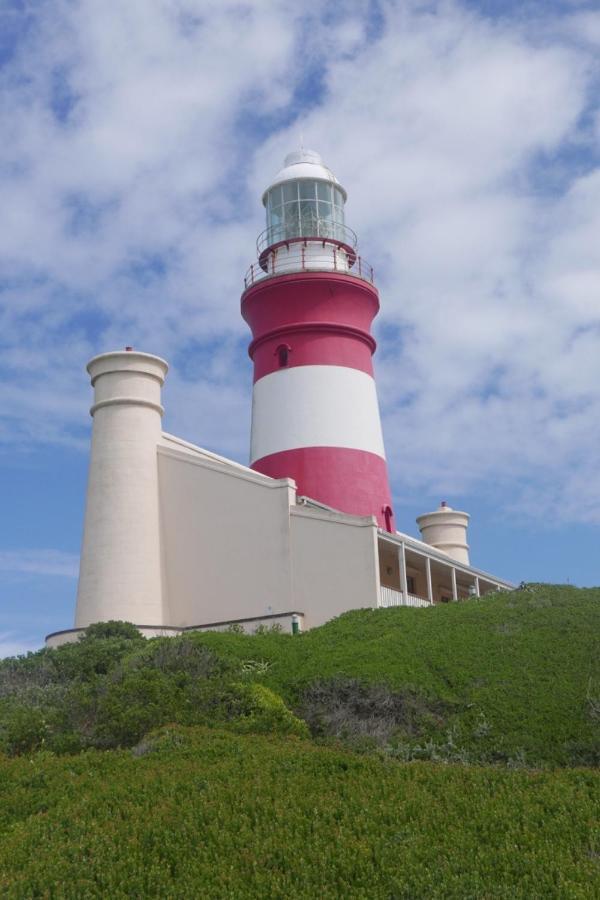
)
(305, 208)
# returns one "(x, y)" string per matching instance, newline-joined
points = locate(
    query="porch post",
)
(477, 593)
(428, 575)
(454, 588)
(402, 566)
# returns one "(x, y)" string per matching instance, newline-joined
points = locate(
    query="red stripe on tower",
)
(310, 302)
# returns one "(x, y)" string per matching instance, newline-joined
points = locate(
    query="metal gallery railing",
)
(311, 227)
(308, 255)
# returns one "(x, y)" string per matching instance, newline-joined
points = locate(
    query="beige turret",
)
(120, 573)
(446, 530)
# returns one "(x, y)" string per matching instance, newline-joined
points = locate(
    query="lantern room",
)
(305, 200)
(305, 222)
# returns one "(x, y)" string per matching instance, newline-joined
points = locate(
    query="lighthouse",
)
(178, 538)
(310, 300)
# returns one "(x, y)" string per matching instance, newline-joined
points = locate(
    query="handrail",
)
(308, 255)
(311, 227)
(392, 597)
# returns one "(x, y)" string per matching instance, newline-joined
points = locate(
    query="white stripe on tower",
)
(315, 406)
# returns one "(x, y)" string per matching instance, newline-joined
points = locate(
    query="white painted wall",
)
(335, 563)
(250, 625)
(120, 568)
(225, 539)
(236, 545)
(306, 256)
(315, 406)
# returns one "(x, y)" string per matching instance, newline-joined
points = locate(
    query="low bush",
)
(203, 813)
(181, 656)
(262, 711)
(509, 679)
(125, 709)
(112, 629)
(22, 729)
(248, 807)
(517, 662)
(352, 709)
(98, 694)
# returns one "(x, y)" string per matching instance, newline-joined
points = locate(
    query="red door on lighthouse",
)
(310, 301)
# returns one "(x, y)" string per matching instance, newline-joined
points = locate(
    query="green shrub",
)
(163, 739)
(225, 812)
(263, 711)
(86, 659)
(206, 813)
(35, 671)
(22, 729)
(511, 678)
(112, 629)
(353, 709)
(182, 656)
(128, 708)
(521, 661)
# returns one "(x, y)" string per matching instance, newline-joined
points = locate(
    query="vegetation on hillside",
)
(517, 673)
(197, 812)
(513, 678)
(315, 765)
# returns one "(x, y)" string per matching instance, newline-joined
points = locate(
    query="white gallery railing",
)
(308, 255)
(390, 597)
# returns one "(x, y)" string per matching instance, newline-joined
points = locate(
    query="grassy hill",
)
(516, 671)
(401, 753)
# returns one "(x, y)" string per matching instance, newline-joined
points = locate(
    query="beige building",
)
(177, 538)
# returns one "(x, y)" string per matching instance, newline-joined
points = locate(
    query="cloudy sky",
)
(136, 139)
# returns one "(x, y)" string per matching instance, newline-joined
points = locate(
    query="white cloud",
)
(40, 562)
(494, 380)
(137, 148)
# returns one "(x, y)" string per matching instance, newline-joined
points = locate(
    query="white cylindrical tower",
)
(120, 571)
(446, 530)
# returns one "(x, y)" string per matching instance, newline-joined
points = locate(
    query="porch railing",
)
(390, 597)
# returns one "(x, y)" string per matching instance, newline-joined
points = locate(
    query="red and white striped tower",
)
(310, 301)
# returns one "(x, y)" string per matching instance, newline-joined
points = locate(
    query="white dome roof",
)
(304, 164)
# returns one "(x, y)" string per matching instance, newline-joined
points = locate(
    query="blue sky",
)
(136, 141)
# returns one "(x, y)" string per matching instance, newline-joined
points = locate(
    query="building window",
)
(282, 353)
(410, 584)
